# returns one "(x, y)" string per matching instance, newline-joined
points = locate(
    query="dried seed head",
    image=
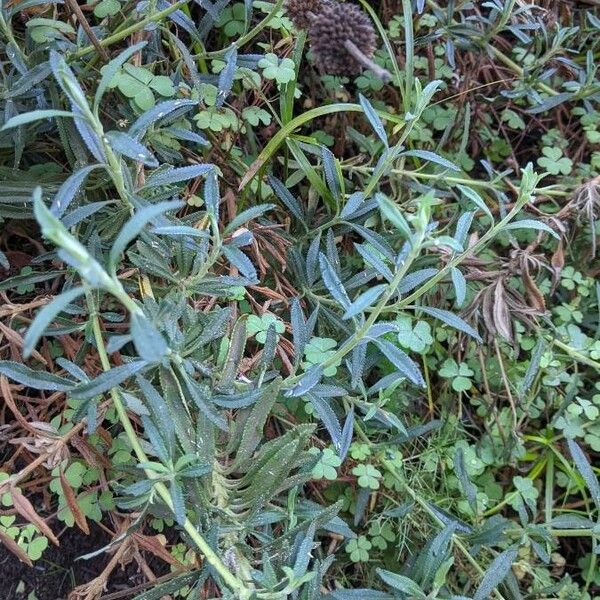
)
(335, 24)
(299, 11)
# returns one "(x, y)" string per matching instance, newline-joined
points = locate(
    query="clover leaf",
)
(233, 20)
(282, 72)
(554, 162)
(381, 534)
(25, 288)
(216, 119)
(527, 493)
(416, 338)
(259, 326)
(368, 476)
(107, 8)
(329, 461)
(318, 350)
(360, 451)
(254, 115)
(459, 373)
(358, 549)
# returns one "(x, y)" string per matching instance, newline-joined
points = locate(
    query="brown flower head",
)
(334, 25)
(299, 11)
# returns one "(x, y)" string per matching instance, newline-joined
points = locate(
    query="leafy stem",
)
(459, 258)
(161, 489)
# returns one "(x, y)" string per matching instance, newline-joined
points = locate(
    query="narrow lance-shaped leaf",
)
(131, 148)
(495, 574)
(107, 380)
(364, 301)
(160, 111)
(72, 250)
(401, 361)
(346, 438)
(402, 584)
(331, 173)
(585, 469)
(35, 115)
(226, 76)
(333, 282)
(37, 380)
(462, 227)
(393, 214)
(212, 197)
(178, 175)
(460, 285)
(299, 329)
(432, 157)
(307, 382)
(374, 120)
(248, 215)
(327, 416)
(450, 319)
(466, 484)
(476, 199)
(284, 195)
(133, 227)
(531, 224)
(148, 341)
(45, 316)
(68, 190)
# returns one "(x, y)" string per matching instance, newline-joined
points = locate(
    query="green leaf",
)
(364, 301)
(359, 594)
(37, 380)
(110, 70)
(144, 99)
(107, 8)
(72, 251)
(374, 120)
(148, 341)
(36, 115)
(251, 433)
(460, 285)
(401, 583)
(129, 86)
(495, 574)
(135, 225)
(468, 488)
(107, 380)
(45, 316)
(585, 469)
(531, 224)
(131, 148)
(450, 319)
(178, 175)
(405, 365)
(392, 213)
(163, 85)
(476, 199)
(333, 282)
(432, 157)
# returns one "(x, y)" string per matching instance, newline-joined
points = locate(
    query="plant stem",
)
(391, 468)
(237, 586)
(76, 10)
(490, 185)
(121, 35)
(366, 62)
(575, 354)
(442, 273)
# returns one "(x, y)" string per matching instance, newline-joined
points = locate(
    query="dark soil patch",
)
(58, 571)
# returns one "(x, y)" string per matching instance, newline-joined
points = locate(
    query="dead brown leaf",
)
(72, 504)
